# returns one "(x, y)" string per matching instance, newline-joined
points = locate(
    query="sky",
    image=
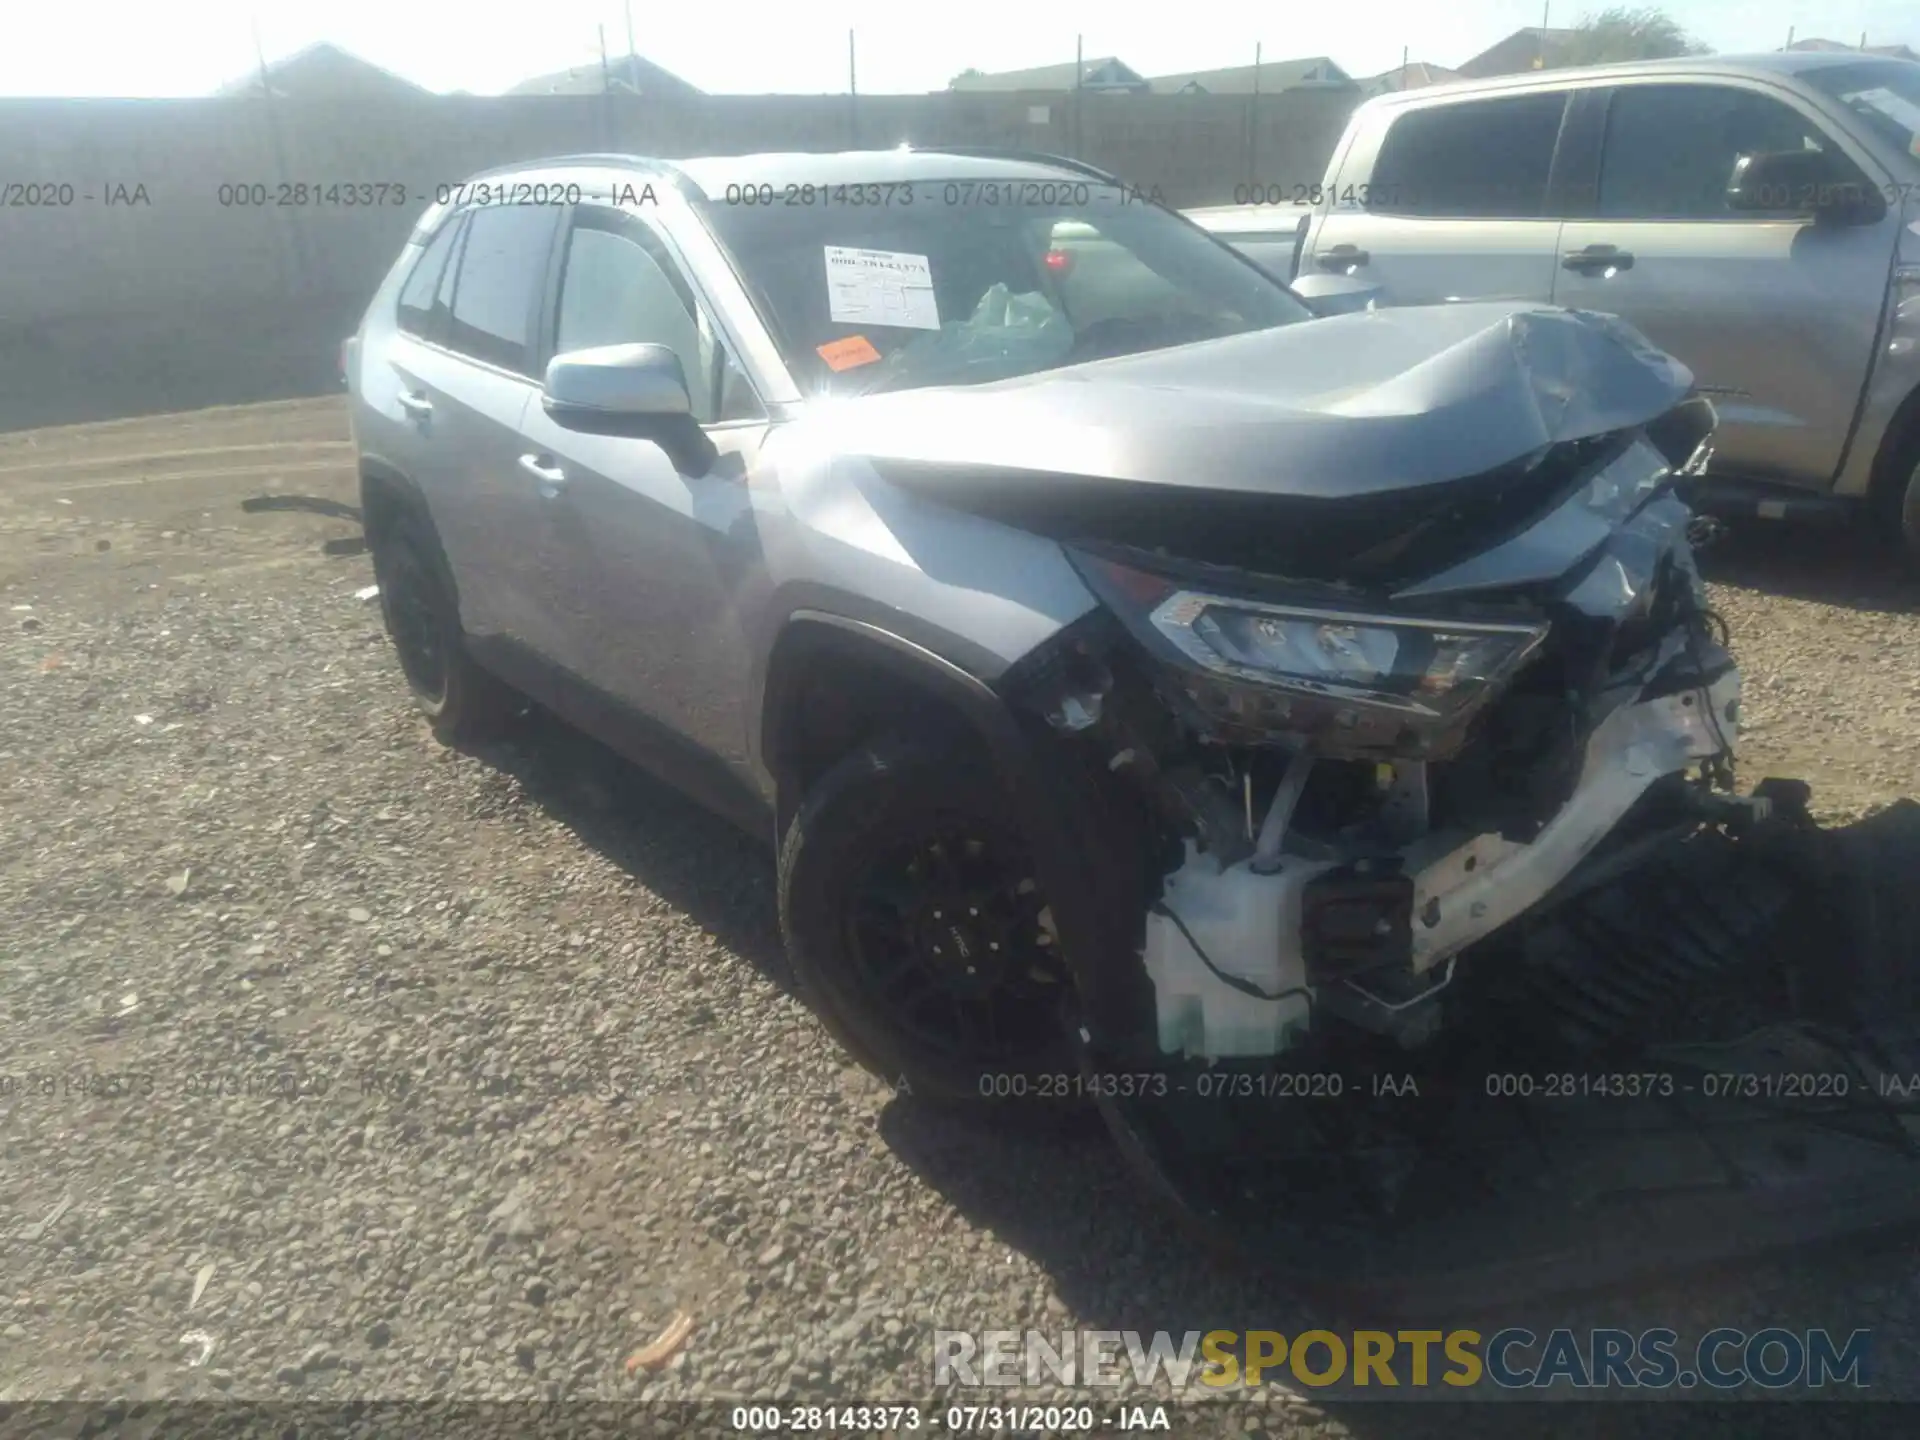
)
(188, 47)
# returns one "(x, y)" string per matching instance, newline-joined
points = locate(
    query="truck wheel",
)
(1910, 521)
(462, 701)
(917, 932)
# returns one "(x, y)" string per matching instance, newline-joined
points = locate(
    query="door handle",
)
(415, 404)
(1340, 256)
(1597, 257)
(547, 474)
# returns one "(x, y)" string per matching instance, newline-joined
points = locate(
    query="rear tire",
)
(460, 700)
(914, 927)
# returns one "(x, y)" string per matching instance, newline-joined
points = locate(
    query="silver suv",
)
(1758, 218)
(1129, 668)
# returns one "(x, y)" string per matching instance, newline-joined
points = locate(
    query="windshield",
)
(963, 282)
(1884, 94)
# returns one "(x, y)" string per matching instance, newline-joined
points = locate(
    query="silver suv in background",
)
(1756, 217)
(1269, 235)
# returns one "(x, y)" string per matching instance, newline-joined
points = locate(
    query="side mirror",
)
(1799, 181)
(638, 391)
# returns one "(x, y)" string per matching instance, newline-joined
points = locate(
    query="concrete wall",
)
(176, 300)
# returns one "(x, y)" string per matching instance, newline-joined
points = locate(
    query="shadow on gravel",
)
(692, 860)
(1063, 1195)
(1840, 566)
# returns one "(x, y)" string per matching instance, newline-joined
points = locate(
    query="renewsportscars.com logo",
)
(1513, 1359)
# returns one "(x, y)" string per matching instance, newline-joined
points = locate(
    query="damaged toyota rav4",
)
(1139, 676)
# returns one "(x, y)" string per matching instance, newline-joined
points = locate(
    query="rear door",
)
(471, 387)
(1775, 314)
(1451, 206)
(658, 557)
(392, 350)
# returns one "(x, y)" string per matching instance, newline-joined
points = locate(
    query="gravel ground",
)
(551, 1089)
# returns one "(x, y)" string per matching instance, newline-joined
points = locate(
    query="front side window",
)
(969, 281)
(620, 286)
(501, 275)
(1480, 159)
(1671, 149)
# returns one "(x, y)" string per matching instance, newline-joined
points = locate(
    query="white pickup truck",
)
(1757, 217)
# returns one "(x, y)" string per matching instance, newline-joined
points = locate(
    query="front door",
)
(661, 556)
(1775, 314)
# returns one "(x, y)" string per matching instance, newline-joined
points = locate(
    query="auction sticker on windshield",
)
(880, 287)
(847, 353)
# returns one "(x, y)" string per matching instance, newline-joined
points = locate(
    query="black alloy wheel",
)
(948, 931)
(415, 620)
(462, 700)
(918, 932)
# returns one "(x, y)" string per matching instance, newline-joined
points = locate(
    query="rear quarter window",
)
(415, 312)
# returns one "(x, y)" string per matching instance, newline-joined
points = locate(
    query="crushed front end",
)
(1354, 785)
(1384, 822)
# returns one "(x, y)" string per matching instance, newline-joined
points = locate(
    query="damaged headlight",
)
(1423, 667)
(1354, 682)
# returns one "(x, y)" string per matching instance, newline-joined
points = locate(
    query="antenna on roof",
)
(633, 61)
(606, 94)
(260, 56)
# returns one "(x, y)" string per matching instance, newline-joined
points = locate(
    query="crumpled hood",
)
(1346, 406)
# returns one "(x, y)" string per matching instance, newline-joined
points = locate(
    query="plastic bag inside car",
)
(1017, 331)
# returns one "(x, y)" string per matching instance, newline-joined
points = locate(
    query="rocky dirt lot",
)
(551, 1090)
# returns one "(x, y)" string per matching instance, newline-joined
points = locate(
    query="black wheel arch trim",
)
(966, 692)
(1898, 452)
(376, 474)
(1042, 795)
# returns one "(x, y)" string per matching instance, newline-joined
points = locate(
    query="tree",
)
(967, 74)
(1625, 33)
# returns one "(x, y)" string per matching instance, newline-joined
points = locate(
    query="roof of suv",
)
(1772, 62)
(713, 175)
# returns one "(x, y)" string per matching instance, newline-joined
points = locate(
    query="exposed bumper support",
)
(1464, 891)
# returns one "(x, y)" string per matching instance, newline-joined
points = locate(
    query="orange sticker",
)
(847, 353)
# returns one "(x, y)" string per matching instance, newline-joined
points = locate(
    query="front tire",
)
(461, 700)
(917, 933)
